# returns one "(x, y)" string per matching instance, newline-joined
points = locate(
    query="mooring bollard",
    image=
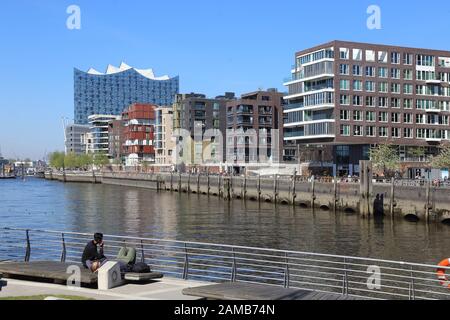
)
(293, 192)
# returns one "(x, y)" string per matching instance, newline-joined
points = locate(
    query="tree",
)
(71, 161)
(85, 161)
(57, 159)
(385, 158)
(442, 160)
(100, 159)
(416, 152)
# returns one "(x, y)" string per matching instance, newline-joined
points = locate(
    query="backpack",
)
(140, 267)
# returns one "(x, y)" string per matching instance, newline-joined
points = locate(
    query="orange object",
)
(441, 273)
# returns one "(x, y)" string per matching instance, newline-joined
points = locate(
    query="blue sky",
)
(214, 46)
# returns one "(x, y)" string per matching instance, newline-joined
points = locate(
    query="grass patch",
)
(43, 296)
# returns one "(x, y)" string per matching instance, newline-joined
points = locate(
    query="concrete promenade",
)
(164, 289)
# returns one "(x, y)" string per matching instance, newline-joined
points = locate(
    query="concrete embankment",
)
(418, 202)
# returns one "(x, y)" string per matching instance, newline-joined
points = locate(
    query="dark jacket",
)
(90, 253)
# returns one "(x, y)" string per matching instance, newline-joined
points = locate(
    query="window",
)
(383, 102)
(370, 101)
(357, 85)
(382, 56)
(344, 115)
(425, 60)
(357, 54)
(407, 133)
(345, 130)
(408, 103)
(358, 131)
(344, 53)
(357, 115)
(343, 69)
(395, 103)
(395, 133)
(395, 73)
(344, 100)
(407, 89)
(371, 131)
(370, 116)
(382, 116)
(420, 119)
(357, 100)
(370, 86)
(370, 71)
(408, 59)
(383, 132)
(383, 87)
(395, 88)
(357, 70)
(395, 117)
(407, 118)
(383, 72)
(395, 58)
(370, 55)
(344, 84)
(407, 74)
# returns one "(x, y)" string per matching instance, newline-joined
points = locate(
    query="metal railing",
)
(353, 276)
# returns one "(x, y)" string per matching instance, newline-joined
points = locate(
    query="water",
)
(36, 203)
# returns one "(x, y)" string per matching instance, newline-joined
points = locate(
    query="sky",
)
(214, 46)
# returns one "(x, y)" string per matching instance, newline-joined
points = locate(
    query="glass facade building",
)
(113, 91)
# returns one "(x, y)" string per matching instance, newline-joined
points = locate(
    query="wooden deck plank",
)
(247, 291)
(45, 270)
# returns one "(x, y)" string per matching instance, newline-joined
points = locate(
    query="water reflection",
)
(139, 212)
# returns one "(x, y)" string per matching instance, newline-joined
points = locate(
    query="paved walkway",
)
(164, 289)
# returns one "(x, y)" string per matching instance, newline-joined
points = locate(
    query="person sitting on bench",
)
(93, 257)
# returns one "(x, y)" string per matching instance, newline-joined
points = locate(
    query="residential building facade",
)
(139, 122)
(345, 97)
(165, 142)
(200, 116)
(116, 140)
(97, 139)
(255, 128)
(74, 141)
(113, 91)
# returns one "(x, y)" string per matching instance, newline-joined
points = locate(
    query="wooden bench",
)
(248, 291)
(48, 270)
(57, 272)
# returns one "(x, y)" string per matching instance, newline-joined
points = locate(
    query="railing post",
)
(28, 250)
(233, 268)
(64, 252)
(142, 252)
(412, 293)
(287, 275)
(345, 280)
(186, 263)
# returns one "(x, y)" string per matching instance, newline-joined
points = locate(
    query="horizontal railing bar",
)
(231, 246)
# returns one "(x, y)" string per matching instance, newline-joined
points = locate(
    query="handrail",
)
(221, 262)
(403, 263)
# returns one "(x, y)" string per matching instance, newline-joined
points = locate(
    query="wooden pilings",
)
(365, 192)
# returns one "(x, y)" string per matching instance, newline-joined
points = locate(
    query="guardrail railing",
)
(354, 276)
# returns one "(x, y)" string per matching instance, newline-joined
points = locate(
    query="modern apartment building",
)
(139, 133)
(113, 91)
(165, 143)
(97, 139)
(74, 141)
(346, 96)
(255, 128)
(116, 140)
(198, 115)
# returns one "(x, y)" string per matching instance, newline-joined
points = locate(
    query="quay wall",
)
(412, 202)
